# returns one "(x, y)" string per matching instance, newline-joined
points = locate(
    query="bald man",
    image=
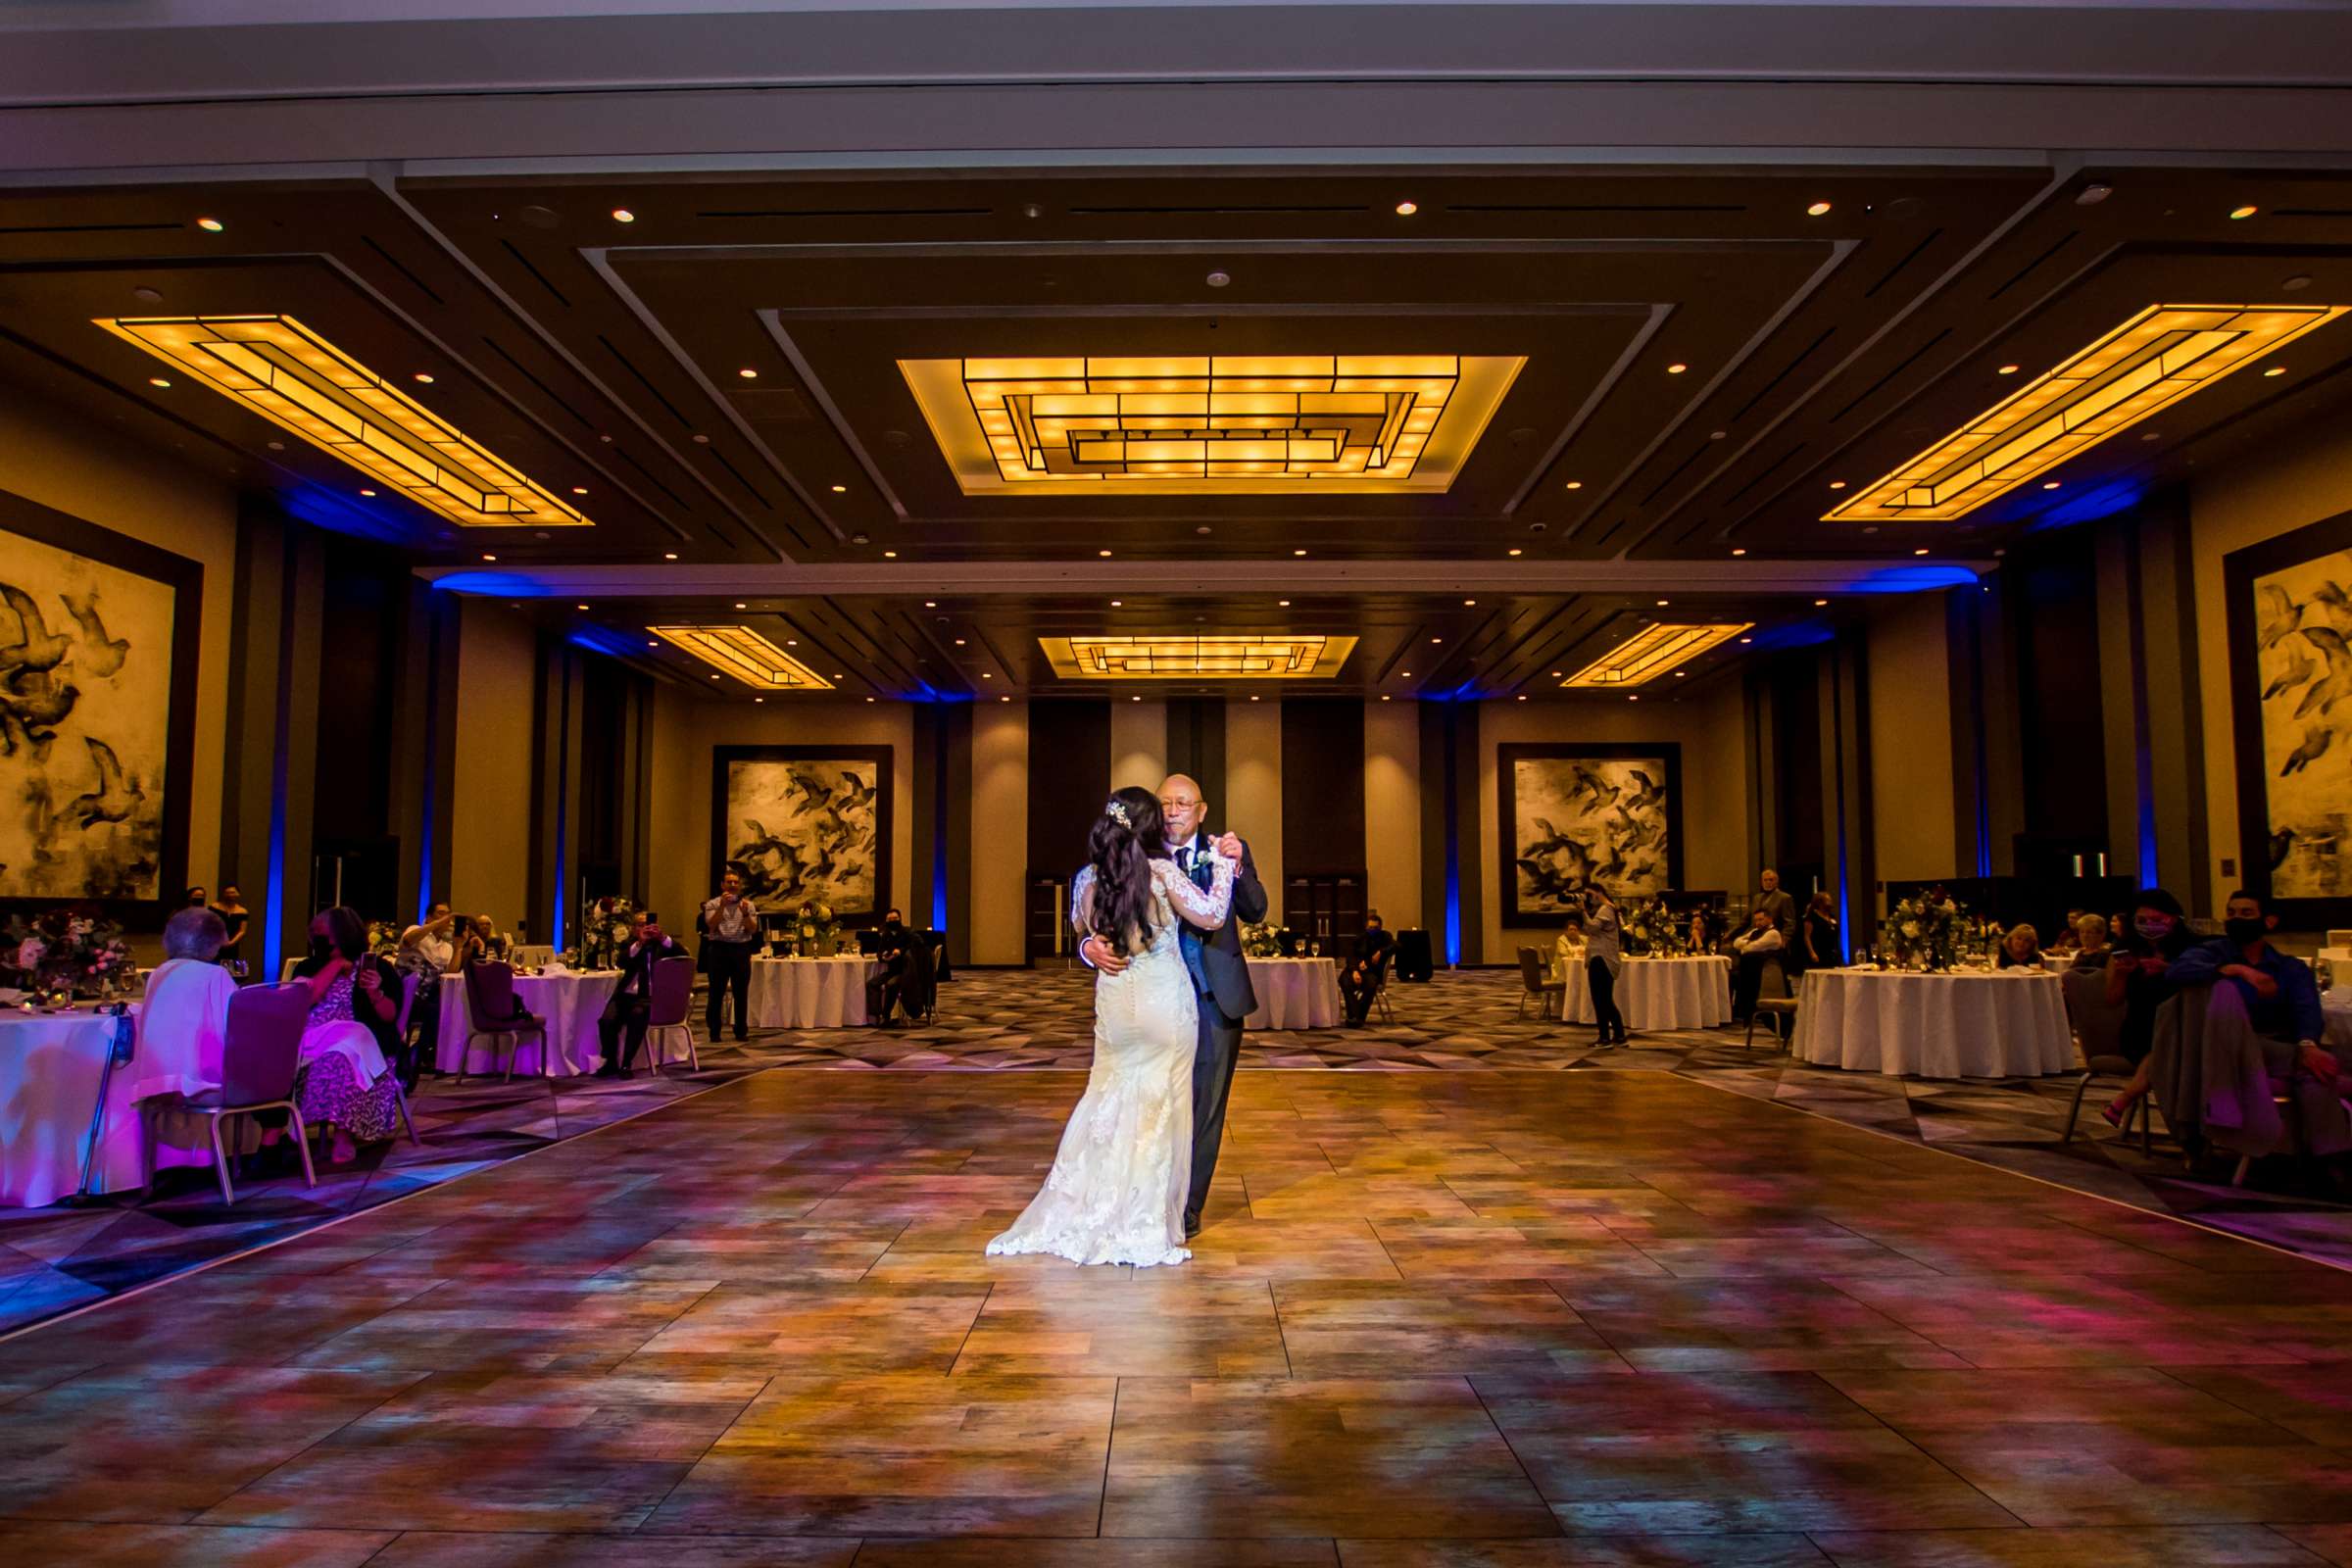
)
(1220, 975)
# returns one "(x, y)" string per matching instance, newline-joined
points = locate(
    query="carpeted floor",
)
(53, 1261)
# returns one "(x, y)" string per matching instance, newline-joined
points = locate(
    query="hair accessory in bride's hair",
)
(1116, 810)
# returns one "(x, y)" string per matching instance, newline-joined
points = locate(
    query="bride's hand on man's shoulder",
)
(1228, 845)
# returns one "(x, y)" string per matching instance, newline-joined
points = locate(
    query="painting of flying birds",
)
(92, 627)
(2302, 619)
(1572, 814)
(806, 825)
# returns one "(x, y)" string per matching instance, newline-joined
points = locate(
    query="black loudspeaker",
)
(1413, 962)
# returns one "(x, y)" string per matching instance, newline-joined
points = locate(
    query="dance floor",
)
(1507, 1318)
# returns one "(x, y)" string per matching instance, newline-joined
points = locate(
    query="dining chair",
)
(490, 1010)
(260, 1056)
(409, 984)
(669, 1007)
(2098, 1027)
(1550, 994)
(1780, 1009)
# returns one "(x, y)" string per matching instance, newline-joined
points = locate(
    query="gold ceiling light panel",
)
(1651, 652)
(1246, 425)
(745, 654)
(290, 376)
(1236, 656)
(2162, 355)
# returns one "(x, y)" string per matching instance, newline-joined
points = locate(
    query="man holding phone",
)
(730, 936)
(623, 1024)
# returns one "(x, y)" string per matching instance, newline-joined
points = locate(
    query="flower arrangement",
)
(1261, 941)
(71, 948)
(1927, 932)
(604, 932)
(813, 929)
(383, 937)
(1653, 930)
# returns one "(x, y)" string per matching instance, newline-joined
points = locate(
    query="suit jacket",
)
(1221, 956)
(1783, 907)
(637, 966)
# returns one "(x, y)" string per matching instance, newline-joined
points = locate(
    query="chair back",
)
(1530, 970)
(1772, 980)
(920, 988)
(263, 1049)
(671, 994)
(490, 994)
(410, 981)
(2099, 1024)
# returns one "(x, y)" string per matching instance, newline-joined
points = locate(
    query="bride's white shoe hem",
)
(1001, 1248)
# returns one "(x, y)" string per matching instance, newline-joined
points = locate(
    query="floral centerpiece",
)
(1261, 941)
(383, 937)
(1927, 932)
(604, 932)
(814, 930)
(68, 949)
(1651, 930)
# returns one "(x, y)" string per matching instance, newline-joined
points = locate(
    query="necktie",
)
(1189, 936)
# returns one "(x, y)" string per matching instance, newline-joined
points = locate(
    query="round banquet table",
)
(1295, 994)
(1968, 1023)
(811, 993)
(1693, 993)
(49, 1066)
(568, 1003)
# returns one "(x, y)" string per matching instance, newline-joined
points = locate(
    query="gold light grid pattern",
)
(1209, 424)
(743, 653)
(2151, 362)
(296, 379)
(1651, 652)
(1229, 655)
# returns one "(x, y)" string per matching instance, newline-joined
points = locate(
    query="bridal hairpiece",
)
(1116, 810)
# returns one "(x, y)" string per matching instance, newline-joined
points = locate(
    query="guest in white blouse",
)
(1754, 947)
(184, 1023)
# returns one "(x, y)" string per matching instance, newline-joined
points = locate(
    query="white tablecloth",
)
(569, 1004)
(1658, 992)
(809, 993)
(1965, 1025)
(49, 1072)
(1295, 994)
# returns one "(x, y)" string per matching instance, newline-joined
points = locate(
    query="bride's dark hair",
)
(1119, 848)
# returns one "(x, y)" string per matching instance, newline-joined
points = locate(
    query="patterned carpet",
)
(54, 1260)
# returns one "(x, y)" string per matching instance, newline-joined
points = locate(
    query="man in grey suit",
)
(1220, 975)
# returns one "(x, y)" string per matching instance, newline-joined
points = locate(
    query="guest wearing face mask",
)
(2140, 980)
(887, 988)
(2263, 1027)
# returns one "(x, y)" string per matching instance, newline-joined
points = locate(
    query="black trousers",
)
(1748, 979)
(1213, 1059)
(1603, 986)
(882, 991)
(729, 967)
(1357, 994)
(623, 1026)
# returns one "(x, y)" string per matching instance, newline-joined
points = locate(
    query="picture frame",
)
(2294, 755)
(798, 859)
(1604, 841)
(181, 581)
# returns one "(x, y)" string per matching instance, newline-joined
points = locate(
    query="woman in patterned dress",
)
(353, 1034)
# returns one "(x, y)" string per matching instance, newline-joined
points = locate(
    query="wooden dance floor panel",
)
(1522, 1320)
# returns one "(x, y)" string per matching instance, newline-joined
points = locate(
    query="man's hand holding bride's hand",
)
(1228, 845)
(1096, 952)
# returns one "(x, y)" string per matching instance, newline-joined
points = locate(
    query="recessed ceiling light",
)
(670, 555)
(1407, 209)
(1283, 602)
(889, 554)
(841, 489)
(1523, 696)
(211, 226)
(424, 378)
(277, 446)
(1008, 699)
(1633, 697)
(2152, 435)
(984, 675)
(1298, 552)
(1405, 674)
(1662, 604)
(1739, 551)
(838, 675)
(652, 645)
(2276, 369)
(579, 489)
(1253, 696)
(1819, 603)
(1677, 369)
(714, 677)
(1744, 641)
(959, 642)
(1574, 484)
(792, 642)
(489, 558)
(621, 215)
(1920, 551)
(157, 380)
(2244, 212)
(1559, 674)
(1836, 484)
(1513, 551)
(1218, 279)
(930, 603)
(748, 374)
(2051, 485)
(1817, 209)
(701, 440)
(579, 606)
(1383, 697)
(1102, 553)
(758, 699)
(869, 699)
(743, 607)
(368, 493)
(1135, 698)
(1437, 639)
(2005, 369)
(1679, 673)
(1469, 601)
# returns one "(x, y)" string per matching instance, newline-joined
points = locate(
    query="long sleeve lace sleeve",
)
(1206, 909)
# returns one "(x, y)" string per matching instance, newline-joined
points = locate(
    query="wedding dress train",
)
(1118, 1188)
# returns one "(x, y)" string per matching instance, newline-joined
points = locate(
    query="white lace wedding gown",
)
(1118, 1188)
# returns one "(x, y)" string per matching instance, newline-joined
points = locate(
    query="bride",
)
(1118, 1188)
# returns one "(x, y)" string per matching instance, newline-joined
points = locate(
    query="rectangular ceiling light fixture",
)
(743, 653)
(1651, 652)
(1252, 424)
(290, 376)
(1239, 656)
(2150, 363)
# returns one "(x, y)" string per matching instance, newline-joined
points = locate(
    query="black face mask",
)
(323, 946)
(2242, 932)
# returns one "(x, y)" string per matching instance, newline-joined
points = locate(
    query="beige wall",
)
(1393, 811)
(1911, 739)
(1000, 840)
(686, 727)
(2288, 486)
(490, 783)
(1713, 735)
(1253, 807)
(95, 474)
(1139, 744)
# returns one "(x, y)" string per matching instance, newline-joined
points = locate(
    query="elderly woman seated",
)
(183, 1029)
(346, 1079)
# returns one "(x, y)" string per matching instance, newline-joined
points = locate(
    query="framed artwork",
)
(804, 824)
(2291, 687)
(98, 649)
(1574, 813)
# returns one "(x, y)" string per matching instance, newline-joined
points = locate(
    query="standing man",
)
(730, 935)
(1782, 906)
(626, 1015)
(1220, 975)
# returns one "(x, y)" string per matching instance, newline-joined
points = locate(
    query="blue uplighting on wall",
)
(1909, 580)
(2099, 501)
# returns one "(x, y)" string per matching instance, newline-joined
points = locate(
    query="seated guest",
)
(233, 915)
(183, 1023)
(2092, 950)
(1568, 952)
(2139, 979)
(1701, 931)
(626, 1015)
(1753, 948)
(2021, 949)
(887, 988)
(428, 952)
(1819, 933)
(1359, 982)
(346, 1079)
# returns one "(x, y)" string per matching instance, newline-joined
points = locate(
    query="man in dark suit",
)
(1220, 975)
(623, 1024)
(1359, 982)
(889, 983)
